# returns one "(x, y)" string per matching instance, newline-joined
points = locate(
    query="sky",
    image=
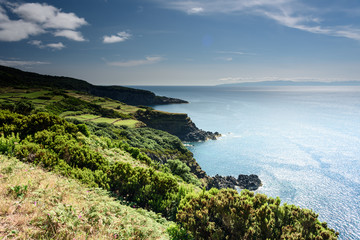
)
(183, 42)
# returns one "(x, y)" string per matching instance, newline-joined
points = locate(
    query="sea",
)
(302, 141)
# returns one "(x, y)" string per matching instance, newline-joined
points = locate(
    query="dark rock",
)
(250, 182)
(178, 124)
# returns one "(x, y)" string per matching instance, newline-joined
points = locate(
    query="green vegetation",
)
(35, 204)
(108, 178)
(225, 214)
(69, 104)
(111, 163)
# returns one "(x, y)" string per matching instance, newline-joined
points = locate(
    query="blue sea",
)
(303, 142)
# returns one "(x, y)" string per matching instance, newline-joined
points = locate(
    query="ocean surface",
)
(303, 142)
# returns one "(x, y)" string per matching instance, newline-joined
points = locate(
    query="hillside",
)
(35, 204)
(50, 90)
(11, 77)
(88, 141)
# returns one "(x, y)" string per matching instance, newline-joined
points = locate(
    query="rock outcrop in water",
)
(178, 124)
(250, 182)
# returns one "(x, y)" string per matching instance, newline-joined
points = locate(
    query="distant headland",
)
(290, 83)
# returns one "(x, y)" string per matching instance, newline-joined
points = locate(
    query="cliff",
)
(178, 124)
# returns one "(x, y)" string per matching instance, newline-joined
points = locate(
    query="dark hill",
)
(11, 77)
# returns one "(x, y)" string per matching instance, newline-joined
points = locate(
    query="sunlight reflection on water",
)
(304, 143)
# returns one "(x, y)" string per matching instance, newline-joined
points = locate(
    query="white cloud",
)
(49, 16)
(11, 31)
(120, 37)
(289, 13)
(134, 63)
(54, 46)
(37, 43)
(35, 12)
(195, 10)
(309, 24)
(12, 63)
(70, 34)
(34, 19)
(57, 46)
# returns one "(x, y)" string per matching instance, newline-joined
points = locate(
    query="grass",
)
(13, 95)
(131, 123)
(35, 204)
(105, 102)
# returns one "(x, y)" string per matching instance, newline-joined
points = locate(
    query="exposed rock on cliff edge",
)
(250, 182)
(178, 124)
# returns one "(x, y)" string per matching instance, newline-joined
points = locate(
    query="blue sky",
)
(183, 42)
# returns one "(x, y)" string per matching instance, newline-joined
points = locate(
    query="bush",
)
(24, 107)
(83, 129)
(182, 170)
(145, 186)
(7, 144)
(225, 214)
(178, 233)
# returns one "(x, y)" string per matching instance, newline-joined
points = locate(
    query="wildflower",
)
(35, 203)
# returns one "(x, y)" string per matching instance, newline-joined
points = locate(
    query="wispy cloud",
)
(227, 59)
(235, 53)
(15, 63)
(119, 37)
(289, 13)
(133, 63)
(195, 10)
(54, 46)
(36, 18)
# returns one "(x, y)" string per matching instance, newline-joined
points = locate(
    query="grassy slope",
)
(42, 99)
(37, 204)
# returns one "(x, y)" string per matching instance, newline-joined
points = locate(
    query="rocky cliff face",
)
(178, 124)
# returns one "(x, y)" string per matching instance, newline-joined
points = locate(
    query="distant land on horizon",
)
(290, 83)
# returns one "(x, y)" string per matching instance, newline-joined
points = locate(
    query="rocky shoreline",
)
(251, 182)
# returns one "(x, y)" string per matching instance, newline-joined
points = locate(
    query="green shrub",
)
(83, 129)
(145, 186)
(225, 214)
(178, 233)
(23, 107)
(7, 144)
(180, 169)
